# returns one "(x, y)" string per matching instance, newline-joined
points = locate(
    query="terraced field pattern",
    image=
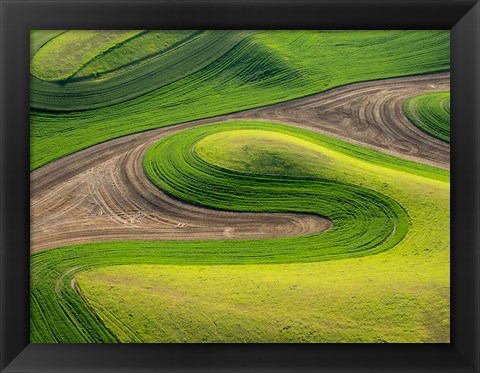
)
(240, 186)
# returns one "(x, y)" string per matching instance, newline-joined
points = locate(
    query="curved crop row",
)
(364, 221)
(134, 51)
(64, 55)
(38, 38)
(92, 54)
(58, 314)
(126, 85)
(431, 113)
(261, 69)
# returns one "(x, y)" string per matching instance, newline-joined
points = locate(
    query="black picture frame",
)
(461, 17)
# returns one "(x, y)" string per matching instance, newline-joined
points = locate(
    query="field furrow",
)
(101, 193)
(240, 186)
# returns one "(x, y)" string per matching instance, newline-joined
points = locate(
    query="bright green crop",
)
(431, 113)
(213, 166)
(217, 73)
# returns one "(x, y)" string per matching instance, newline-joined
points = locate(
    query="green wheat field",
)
(240, 186)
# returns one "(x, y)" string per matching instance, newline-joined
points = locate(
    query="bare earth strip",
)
(369, 114)
(102, 193)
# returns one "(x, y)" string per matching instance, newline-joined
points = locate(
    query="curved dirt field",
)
(102, 193)
(369, 114)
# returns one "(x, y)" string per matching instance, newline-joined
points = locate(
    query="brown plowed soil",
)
(102, 193)
(369, 114)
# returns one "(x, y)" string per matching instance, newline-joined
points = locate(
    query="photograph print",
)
(216, 186)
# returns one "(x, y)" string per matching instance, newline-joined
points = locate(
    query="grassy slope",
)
(190, 56)
(134, 51)
(187, 291)
(262, 69)
(64, 55)
(379, 300)
(431, 113)
(364, 222)
(38, 38)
